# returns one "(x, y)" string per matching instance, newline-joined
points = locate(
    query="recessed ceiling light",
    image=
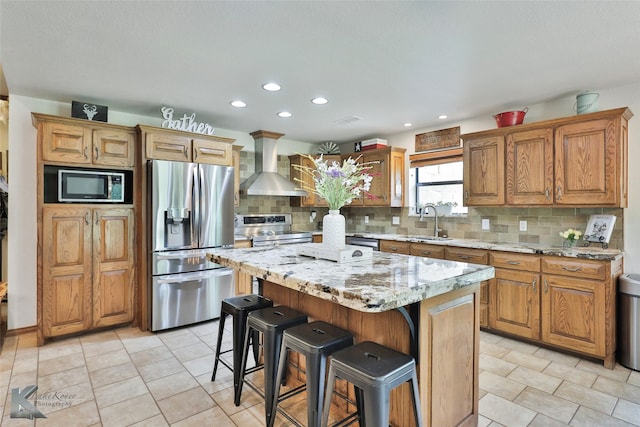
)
(238, 104)
(284, 114)
(407, 125)
(319, 100)
(442, 116)
(271, 87)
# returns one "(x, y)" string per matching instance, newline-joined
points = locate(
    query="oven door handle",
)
(197, 275)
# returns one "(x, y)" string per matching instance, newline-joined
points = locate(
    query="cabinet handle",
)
(559, 193)
(466, 196)
(195, 154)
(546, 286)
(86, 218)
(186, 155)
(85, 153)
(573, 270)
(546, 193)
(513, 262)
(425, 252)
(465, 256)
(533, 284)
(97, 218)
(393, 248)
(97, 153)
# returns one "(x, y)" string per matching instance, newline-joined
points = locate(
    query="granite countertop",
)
(386, 282)
(593, 252)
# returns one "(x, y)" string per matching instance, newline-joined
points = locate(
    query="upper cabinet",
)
(388, 186)
(83, 142)
(574, 161)
(167, 144)
(311, 199)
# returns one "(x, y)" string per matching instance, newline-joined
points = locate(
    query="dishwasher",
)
(363, 241)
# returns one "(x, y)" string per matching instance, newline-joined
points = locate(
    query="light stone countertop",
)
(386, 282)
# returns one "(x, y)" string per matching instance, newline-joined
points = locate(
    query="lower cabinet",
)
(87, 268)
(474, 256)
(243, 281)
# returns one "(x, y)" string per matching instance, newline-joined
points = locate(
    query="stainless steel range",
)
(269, 229)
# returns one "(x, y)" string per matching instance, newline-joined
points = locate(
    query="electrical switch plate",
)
(366, 219)
(523, 225)
(485, 223)
(395, 220)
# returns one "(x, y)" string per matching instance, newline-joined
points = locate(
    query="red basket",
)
(510, 118)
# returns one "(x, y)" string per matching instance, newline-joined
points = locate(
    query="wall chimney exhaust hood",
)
(266, 181)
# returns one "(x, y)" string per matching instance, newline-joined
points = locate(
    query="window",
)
(438, 179)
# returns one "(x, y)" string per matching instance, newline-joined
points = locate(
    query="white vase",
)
(333, 230)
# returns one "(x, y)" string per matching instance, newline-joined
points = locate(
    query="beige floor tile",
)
(500, 386)
(63, 379)
(155, 421)
(174, 408)
(544, 421)
(134, 344)
(82, 415)
(247, 418)
(583, 396)
(627, 411)
(23, 380)
(535, 379)
(616, 388)
(224, 380)
(171, 384)
(573, 375)
(194, 351)
(634, 378)
(214, 417)
(487, 337)
(495, 365)
(483, 421)
(525, 359)
(165, 367)
(505, 412)
(619, 373)
(59, 364)
(557, 357)
(519, 346)
(224, 399)
(547, 404)
(106, 360)
(494, 350)
(153, 355)
(120, 391)
(28, 340)
(179, 339)
(61, 348)
(24, 364)
(586, 417)
(61, 399)
(129, 411)
(104, 346)
(113, 374)
(201, 365)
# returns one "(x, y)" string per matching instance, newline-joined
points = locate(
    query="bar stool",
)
(375, 370)
(316, 341)
(238, 308)
(271, 322)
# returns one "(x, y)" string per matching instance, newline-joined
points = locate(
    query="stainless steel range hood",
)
(266, 181)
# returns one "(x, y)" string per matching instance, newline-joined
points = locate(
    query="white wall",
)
(625, 96)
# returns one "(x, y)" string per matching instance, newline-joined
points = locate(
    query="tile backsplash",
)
(543, 223)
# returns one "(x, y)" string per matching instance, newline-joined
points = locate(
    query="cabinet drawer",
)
(575, 267)
(515, 261)
(426, 250)
(212, 152)
(395, 247)
(168, 147)
(474, 256)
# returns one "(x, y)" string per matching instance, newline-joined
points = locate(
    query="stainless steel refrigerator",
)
(191, 208)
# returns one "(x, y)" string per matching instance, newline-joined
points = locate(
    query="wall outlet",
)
(395, 220)
(366, 219)
(485, 224)
(523, 225)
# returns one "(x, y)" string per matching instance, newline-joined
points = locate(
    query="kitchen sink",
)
(433, 238)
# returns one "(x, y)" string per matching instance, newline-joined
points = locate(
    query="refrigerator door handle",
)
(198, 275)
(195, 200)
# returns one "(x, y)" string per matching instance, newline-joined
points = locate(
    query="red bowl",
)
(510, 118)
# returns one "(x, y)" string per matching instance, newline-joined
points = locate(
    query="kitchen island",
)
(426, 307)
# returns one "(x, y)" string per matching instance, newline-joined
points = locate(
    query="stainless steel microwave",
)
(90, 186)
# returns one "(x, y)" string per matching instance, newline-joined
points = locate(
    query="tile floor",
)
(126, 377)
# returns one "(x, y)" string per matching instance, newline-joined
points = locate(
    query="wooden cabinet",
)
(78, 142)
(483, 170)
(87, 269)
(514, 304)
(167, 144)
(236, 174)
(311, 199)
(573, 161)
(388, 184)
(427, 250)
(474, 256)
(395, 247)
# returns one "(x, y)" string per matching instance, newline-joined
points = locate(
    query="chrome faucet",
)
(435, 212)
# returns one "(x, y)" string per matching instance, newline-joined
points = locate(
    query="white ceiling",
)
(385, 62)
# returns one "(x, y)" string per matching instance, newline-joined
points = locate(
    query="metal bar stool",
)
(375, 370)
(238, 308)
(316, 341)
(271, 322)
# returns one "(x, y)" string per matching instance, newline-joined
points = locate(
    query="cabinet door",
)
(211, 152)
(396, 178)
(586, 163)
(379, 191)
(66, 270)
(112, 266)
(573, 313)
(113, 147)
(65, 143)
(483, 171)
(307, 182)
(515, 303)
(529, 172)
(427, 250)
(168, 147)
(395, 247)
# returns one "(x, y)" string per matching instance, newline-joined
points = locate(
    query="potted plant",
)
(444, 208)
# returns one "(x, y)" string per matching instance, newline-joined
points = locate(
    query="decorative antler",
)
(90, 111)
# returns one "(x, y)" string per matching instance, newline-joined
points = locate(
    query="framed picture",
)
(599, 228)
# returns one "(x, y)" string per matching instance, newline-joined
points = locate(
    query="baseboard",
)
(22, 331)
